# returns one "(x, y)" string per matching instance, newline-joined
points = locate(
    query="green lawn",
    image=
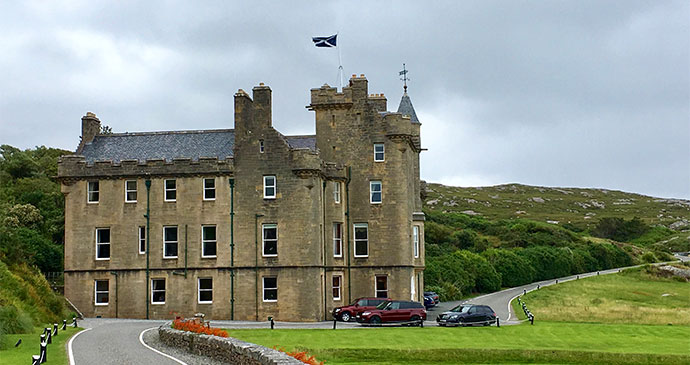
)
(57, 353)
(635, 296)
(546, 342)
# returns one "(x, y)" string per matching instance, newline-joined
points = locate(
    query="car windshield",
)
(355, 302)
(383, 305)
(461, 309)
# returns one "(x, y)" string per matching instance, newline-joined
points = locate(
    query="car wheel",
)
(345, 317)
(415, 320)
(375, 320)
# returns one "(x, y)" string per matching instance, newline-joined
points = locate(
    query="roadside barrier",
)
(530, 316)
(47, 339)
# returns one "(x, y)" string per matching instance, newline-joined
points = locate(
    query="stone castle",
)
(247, 223)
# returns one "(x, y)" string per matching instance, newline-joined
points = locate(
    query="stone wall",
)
(228, 350)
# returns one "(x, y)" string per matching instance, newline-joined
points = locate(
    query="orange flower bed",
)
(302, 356)
(193, 326)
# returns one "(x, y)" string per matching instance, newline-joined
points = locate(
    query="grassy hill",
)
(576, 209)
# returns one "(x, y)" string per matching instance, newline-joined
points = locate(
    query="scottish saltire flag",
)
(325, 41)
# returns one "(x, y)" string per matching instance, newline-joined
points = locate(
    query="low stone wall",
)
(229, 350)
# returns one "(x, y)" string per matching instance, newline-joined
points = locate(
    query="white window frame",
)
(96, 292)
(264, 288)
(376, 286)
(142, 239)
(382, 152)
(103, 244)
(90, 190)
(372, 191)
(127, 191)
(274, 186)
(262, 147)
(336, 192)
(166, 190)
(203, 185)
(199, 290)
(176, 241)
(337, 239)
(338, 287)
(355, 240)
(158, 290)
(204, 240)
(263, 239)
(415, 240)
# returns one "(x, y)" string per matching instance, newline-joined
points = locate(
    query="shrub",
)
(648, 257)
(619, 229)
(196, 327)
(302, 356)
(514, 269)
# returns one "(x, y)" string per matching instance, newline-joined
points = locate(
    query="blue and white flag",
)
(325, 41)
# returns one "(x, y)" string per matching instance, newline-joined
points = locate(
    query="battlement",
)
(75, 167)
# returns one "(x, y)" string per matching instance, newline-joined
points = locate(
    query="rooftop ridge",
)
(153, 133)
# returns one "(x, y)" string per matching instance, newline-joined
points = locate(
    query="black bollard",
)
(43, 337)
(44, 352)
(74, 322)
(578, 277)
(334, 322)
(538, 286)
(597, 273)
(49, 336)
(531, 319)
(524, 291)
(556, 281)
(421, 323)
(498, 322)
(272, 323)
(64, 324)
(55, 329)
(35, 359)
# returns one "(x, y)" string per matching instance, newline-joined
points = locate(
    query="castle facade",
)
(247, 223)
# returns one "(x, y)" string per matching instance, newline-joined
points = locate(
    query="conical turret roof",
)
(406, 108)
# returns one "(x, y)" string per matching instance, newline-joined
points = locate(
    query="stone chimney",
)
(90, 128)
(262, 105)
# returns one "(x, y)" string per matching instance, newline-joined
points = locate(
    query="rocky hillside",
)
(575, 208)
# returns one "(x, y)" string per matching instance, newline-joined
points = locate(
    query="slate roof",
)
(406, 108)
(302, 142)
(172, 144)
(161, 145)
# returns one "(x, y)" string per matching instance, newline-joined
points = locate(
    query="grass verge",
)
(57, 352)
(546, 342)
(635, 296)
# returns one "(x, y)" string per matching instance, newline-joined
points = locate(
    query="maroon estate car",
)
(346, 313)
(393, 311)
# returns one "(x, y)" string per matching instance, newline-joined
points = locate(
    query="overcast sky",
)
(550, 93)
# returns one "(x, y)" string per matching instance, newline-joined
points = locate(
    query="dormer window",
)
(379, 152)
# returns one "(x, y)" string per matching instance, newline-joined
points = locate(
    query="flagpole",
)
(340, 64)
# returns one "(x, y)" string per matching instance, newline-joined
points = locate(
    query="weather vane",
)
(404, 77)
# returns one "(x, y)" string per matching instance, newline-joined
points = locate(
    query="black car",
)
(429, 302)
(433, 296)
(467, 314)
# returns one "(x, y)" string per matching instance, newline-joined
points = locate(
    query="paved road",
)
(500, 301)
(116, 342)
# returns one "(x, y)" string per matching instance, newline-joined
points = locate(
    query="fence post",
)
(272, 323)
(35, 359)
(64, 324)
(74, 322)
(538, 286)
(498, 322)
(49, 335)
(55, 329)
(421, 323)
(334, 322)
(556, 281)
(524, 291)
(531, 318)
(44, 352)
